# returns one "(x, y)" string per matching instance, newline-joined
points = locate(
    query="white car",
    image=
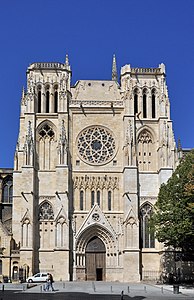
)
(39, 277)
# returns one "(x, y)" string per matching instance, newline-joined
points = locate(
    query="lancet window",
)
(7, 190)
(92, 198)
(81, 200)
(153, 104)
(144, 103)
(56, 99)
(135, 101)
(145, 151)
(61, 232)
(46, 147)
(39, 99)
(47, 100)
(109, 200)
(26, 233)
(147, 236)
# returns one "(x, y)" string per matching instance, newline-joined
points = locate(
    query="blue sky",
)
(142, 33)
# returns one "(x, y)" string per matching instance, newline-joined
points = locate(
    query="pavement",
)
(96, 290)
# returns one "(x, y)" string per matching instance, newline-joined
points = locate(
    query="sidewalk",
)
(115, 288)
(144, 290)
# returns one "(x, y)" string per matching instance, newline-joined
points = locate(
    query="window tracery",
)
(148, 240)
(145, 150)
(7, 190)
(46, 147)
(46, 212)
(96, 145)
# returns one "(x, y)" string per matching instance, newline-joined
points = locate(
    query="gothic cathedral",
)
(89, 161)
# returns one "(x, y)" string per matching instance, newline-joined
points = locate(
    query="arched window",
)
(92, 198)
(47, 101)
(56, 101)
(26, 233)
(46, 147)
(147, 237)
(145, 151)
(39, 100)
(61, 232)
(109, 200)
(153, 104)
(46, 225)
(144, 103)
(98, 197)
(81, 200)
(7, 190)
(135, 101)
(46, 211)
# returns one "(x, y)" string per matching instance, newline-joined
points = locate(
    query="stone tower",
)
(89, 161)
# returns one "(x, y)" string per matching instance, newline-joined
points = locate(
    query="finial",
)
(23, 92)
(67, 60)
(179, 145)
(114, 68)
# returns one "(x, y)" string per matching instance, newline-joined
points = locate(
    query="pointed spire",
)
(23, 92)
(114, 68)
(179, 145)
(67, 60)
(23, 100)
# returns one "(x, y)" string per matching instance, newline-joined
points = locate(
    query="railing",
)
(49, 65)
(146, 70)
(150, 275)
(96, 103)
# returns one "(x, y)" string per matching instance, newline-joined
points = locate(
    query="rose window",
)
(96, 145)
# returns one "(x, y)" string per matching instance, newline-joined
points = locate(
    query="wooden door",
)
(95, 260)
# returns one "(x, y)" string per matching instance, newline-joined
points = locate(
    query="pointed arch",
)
(56, 96)
(96, 230)
(153, 104)
(147, 237)
(39, 98)
(106, 238)
(46, 145)
(7, 189)
(136, 92)
(46, 225)
(145, 92)
(26, 240)
(146, 150)
(61, 232)
(46, 211)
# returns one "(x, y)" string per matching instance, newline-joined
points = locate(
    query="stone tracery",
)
(96, 145)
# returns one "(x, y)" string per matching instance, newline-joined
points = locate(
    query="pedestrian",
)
(49, 282)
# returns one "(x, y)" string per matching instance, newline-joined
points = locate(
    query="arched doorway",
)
(95, 260)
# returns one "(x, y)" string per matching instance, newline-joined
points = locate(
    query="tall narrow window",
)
(98, 197)
(47, 101)
(109, 200)
(135, 103)
(153, 105)
(7, 191)
(148, 240)
(0, 267)
(55, 101)
(39, 101)
(81, 200)
(92, 198)
(144, 106)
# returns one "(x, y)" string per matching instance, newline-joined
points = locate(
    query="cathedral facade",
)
(89, 162)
